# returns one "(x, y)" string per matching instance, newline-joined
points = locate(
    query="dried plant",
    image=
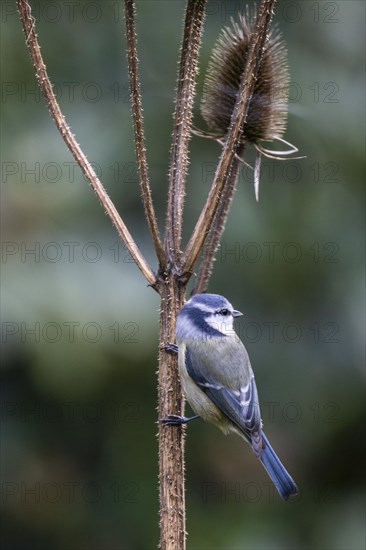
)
(249, 66)
(267, 112)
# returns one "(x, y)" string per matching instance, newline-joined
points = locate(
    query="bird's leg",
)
(171, 348)
(176, 420)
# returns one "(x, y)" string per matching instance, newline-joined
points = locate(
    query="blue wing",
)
(239, 403)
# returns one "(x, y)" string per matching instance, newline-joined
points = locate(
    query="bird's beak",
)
(237, 313)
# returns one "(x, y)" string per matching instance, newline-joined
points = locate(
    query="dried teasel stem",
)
(45, 85)
(170, 283)
(139, 129)
(267, 112)
(217, 228)
(234, 136)
(193, 26)
(171, 441)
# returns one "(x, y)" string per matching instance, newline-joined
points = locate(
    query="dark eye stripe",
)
(224, 312)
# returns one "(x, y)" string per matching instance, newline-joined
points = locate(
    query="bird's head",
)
(206, 316)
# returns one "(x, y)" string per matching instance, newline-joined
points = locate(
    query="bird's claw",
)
(171, 348)
(176, 420)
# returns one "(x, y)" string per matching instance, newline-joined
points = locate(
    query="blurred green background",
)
(80, 326)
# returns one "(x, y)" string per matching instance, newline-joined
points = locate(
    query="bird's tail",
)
(284, 483)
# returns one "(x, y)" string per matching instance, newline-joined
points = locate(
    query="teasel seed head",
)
(267, 112)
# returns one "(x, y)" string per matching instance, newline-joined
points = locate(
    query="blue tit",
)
(218, 380)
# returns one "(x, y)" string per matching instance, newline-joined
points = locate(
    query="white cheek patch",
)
(221, 323)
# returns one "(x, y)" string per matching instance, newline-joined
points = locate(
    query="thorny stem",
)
(195, 244)
(182, 128)
(139, 130)
(171, 438)
(217, 228)
(45, 85)
(211, 222)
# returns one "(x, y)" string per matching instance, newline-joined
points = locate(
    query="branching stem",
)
(75, 149)
(217, 228)
(174, 270)
(139, 129)
(200, 232)
(182, 128)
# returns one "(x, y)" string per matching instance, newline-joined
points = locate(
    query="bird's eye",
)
(224, 312)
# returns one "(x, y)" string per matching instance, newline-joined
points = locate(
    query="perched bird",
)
(218, 380)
